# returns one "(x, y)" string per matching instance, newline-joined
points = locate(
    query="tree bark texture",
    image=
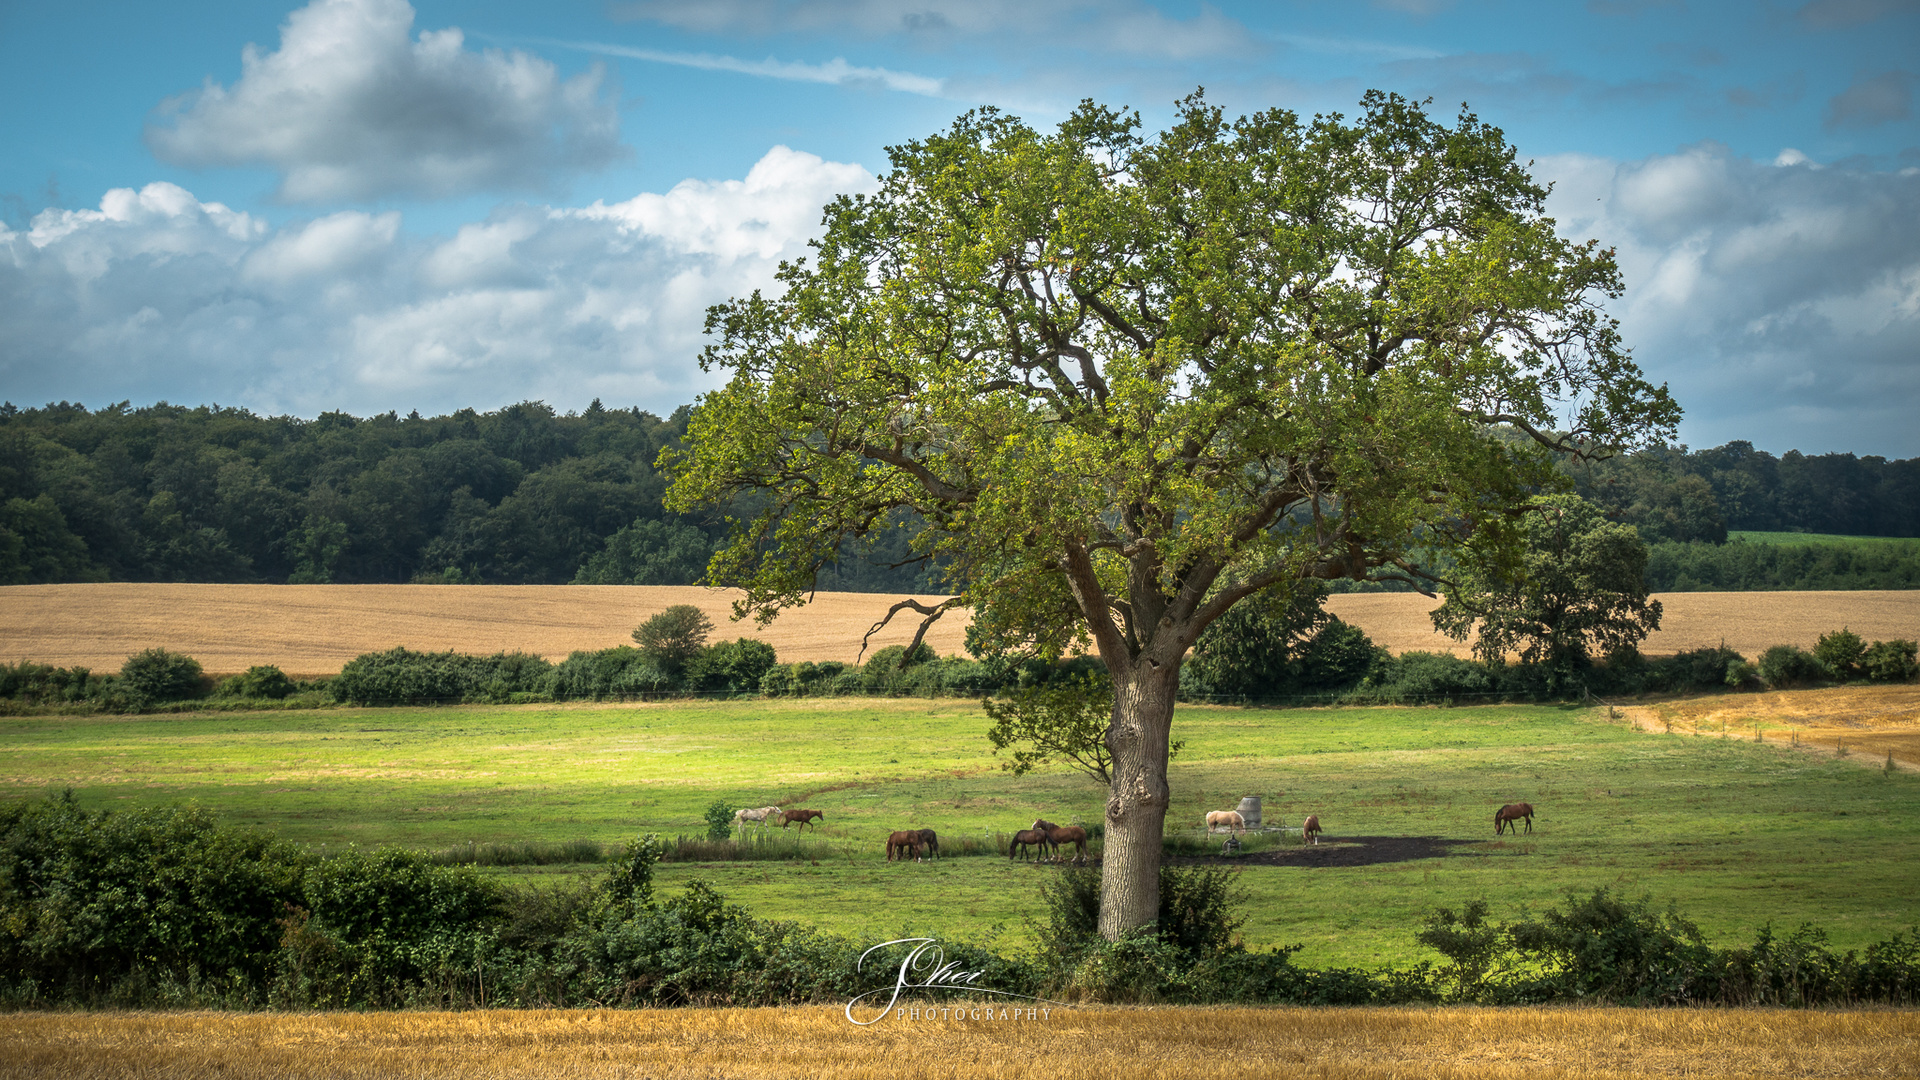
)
(1137, 800)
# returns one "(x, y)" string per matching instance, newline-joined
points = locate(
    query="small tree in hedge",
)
(1581, 590)
(163, 675)
(674, 637)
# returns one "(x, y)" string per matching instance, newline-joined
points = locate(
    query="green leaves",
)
(1142, 378)
(1580, 590)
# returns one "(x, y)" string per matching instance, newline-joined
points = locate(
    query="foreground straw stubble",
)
(817, 1041)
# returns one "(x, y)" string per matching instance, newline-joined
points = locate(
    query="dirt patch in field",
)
(1867, 722)
(1347, 851)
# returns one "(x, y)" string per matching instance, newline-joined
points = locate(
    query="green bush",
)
(262, 682)
(719, 817)
(164, 676)
(1841, 652)
(1785, 667)
(1425, 676)
(1890, 661)
(401, 676)
(731, 667)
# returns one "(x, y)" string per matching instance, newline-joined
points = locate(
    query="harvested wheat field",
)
(1749, 623)
(816, 1041)
(1867, 722)
(314, 629)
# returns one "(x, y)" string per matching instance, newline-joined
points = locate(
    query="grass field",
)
(1064, 1044)
(1736, 833)
(1818, 538)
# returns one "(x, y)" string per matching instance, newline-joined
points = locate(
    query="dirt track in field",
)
(314, 629)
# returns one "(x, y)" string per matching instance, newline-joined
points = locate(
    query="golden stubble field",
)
(1068, 1044)
(1867, 723)
(314, 629)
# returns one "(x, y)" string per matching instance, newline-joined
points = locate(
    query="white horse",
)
(1230, 818)
(758, 816)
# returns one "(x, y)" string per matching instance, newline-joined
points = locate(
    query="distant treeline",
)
(1675, 495)
(528, 496)
(518, 496)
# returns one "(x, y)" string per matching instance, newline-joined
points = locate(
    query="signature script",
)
(925, 967)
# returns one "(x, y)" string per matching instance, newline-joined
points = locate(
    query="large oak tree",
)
(1124, 383)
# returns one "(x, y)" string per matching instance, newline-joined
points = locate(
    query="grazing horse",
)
(1045, 829)
(932, 842)
(757, 816)
(1232, 819)
(1310, 829)
(1027, 838)
(1069, 834)
(788, 817)
(903, 842)
(1508, 817)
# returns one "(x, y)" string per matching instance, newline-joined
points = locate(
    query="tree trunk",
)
(1137, 800)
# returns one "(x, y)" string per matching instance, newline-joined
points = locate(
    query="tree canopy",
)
(1125, 382)
(1580, 590)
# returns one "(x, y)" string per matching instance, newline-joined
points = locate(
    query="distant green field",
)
(1819, 538)
(1736, 834)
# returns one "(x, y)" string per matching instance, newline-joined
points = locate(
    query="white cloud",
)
(352, 106)
(1781, 300)
(157, 295)
(836, 72)
(1126, 27)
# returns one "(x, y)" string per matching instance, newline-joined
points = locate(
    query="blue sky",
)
(365, 205)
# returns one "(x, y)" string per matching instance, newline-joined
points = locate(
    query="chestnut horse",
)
(1310, 829)
(902, 842)
(788, 817)
(1068, 834)
(1026, 838)
(1508, 817)
(1045, 829)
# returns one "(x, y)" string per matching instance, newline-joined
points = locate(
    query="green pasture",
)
(1735, 833)
(1817, 538)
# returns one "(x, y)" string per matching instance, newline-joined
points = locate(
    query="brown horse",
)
(1068, 834)
(902, 843)
(1026, 838)
(1045, 829)
(788, 817)
(1310, 829)
(1508, 817)
(931, 840)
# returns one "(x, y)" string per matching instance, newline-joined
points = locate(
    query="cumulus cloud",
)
(1780, 299)
(353, 106)
(158, 295)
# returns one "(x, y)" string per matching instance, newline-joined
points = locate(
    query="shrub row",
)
(165, 908)
(1340, 666)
